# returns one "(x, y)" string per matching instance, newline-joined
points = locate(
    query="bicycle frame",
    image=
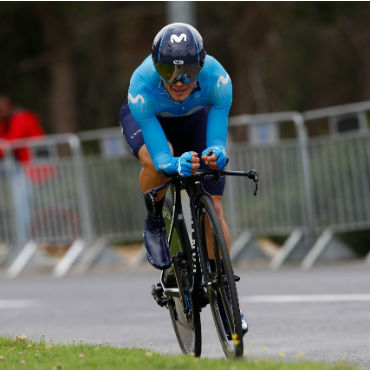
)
(191, 266)
(178, 217)
(181, 182)
(193, 186)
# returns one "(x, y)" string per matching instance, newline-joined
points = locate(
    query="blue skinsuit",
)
(147, 99)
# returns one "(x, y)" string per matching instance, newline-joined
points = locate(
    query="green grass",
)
(23, 353)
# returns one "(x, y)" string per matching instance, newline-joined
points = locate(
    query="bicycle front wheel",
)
(219, 279)
(185, 315)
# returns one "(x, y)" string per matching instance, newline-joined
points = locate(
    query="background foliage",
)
(72, 61)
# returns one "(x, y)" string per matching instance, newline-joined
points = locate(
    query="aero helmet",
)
(178, 53)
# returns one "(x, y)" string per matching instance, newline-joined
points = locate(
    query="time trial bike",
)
(201, 267)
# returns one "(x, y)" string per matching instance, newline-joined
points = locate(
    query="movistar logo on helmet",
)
(180, 38)
(178, 52)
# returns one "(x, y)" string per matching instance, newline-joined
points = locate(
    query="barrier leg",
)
(22, 259)
(290, 244)
(70, 258)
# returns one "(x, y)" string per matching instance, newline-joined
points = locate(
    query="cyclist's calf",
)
(217, 201)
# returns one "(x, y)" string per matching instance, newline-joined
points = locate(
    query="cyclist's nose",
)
(179, 83)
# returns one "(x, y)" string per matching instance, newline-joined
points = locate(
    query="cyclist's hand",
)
(218, 158)
(188, 163)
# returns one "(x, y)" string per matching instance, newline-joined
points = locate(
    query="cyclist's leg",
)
(217, 201)
(149, 177)
(154, 234)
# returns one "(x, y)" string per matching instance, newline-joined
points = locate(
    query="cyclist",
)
(175, 121)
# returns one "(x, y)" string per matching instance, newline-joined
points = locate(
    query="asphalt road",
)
(317, 315)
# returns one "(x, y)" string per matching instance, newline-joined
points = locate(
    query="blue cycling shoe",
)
(226, 324)
(224, 318)
(155, 241)
(244, 323)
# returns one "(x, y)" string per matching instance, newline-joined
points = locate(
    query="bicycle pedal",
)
(236, 278)
(157, 293)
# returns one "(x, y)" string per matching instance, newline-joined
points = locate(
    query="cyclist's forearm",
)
(217, 126)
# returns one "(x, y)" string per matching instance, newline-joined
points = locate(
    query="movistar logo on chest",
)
(175, 38)
(136, 99)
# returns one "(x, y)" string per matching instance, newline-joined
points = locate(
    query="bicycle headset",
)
(178, 53)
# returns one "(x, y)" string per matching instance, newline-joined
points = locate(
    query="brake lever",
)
(256, 188)
(253, 175)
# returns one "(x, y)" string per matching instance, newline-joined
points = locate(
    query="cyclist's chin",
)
(179, 96)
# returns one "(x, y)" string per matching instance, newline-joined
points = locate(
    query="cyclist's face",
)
(179, 91)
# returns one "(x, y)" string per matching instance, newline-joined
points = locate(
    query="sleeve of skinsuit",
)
(220, 99)
(142, 107)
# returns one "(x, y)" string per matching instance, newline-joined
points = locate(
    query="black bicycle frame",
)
(182, 182)
(193, 186)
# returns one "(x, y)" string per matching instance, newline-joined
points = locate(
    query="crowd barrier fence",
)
(81, 188)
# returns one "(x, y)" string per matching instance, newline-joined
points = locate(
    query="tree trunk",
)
(62, 88)
(62, 92)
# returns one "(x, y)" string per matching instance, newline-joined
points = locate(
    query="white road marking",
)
(314, 298)
(16, 303)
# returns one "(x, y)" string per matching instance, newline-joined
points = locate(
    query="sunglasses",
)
(171, 73)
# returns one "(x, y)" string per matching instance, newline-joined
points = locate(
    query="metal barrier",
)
(355, 114)
(85, 188)
(341, 182)
(284, 201)
(297, 180)
(57, 191)
(317, 186)
(113, 175)
(48, 198)
(340, 166)
(7, 224)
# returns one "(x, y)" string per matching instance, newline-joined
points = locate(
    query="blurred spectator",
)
(18, 123)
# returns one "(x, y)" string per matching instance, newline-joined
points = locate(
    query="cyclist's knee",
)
(146, 160)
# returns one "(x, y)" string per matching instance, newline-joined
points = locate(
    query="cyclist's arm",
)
(142, 107)
(220, 99)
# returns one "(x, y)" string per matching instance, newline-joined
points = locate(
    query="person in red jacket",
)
(18, 123)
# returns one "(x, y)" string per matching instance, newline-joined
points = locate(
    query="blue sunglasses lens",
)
(171, 73)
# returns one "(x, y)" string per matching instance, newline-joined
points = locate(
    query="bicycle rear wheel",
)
(219, 279)
(185, 316)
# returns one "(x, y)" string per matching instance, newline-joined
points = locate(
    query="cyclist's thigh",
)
(133, 135)
(131, 130)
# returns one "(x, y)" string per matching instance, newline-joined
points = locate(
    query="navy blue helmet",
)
(178, 53)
